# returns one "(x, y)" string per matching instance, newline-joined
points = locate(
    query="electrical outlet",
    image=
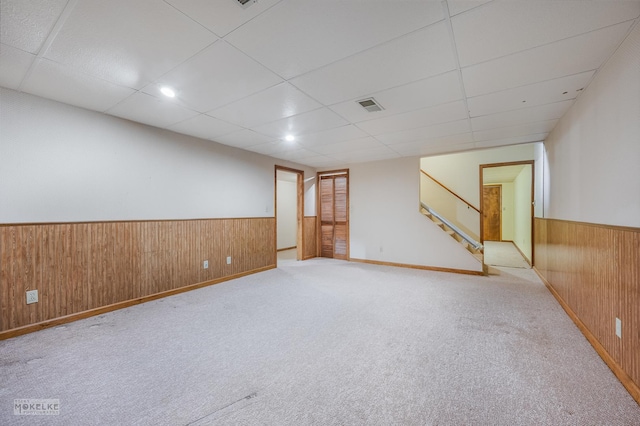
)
(618, 328)
(32, 296)
(205, 264)
(228, 260)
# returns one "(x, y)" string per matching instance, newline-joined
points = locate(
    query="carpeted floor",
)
(497, 253)
(323, 342)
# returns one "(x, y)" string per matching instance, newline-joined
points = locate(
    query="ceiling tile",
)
(521, 116)
(272, 104)
(425, 133)
(347, 146)
(297, 36)
(156, 112)
(567, 57)
(459, 6)
(243, 138)
(27, 24)
(130, 43)
(420, 94)
(273, 147)
(319, 161)
(218, 75)
(420, 118)
(296, 154)
(446, 149)
(364, 155)
(14, 64)
(512, 131)
(331, 136)
(534, 94)
(205, 127)
(309, 122)
(419, 55)
(539, 137)
(510, 26)
(221, 16)
(428, 146)
(55, 81)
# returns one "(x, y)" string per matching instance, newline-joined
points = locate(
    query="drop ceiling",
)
(450, 75)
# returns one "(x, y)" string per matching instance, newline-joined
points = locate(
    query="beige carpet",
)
(503, 254)
(323, 342)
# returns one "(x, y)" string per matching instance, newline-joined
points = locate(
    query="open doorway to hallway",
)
(506, 205)
(289, 213)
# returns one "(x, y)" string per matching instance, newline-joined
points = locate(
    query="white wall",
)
(286, 217)
(593, 153)
(385, 222)
(508, 213)
(522, 211)
(460, 172)
(60, 163)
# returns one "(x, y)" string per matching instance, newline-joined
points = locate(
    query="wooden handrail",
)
(454, 194)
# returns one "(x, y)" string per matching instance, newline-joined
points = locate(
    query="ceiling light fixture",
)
(289, 138)
(168, 92)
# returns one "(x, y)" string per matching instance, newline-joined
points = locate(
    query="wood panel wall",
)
(595, 271)
(83, 266)
(310, 242)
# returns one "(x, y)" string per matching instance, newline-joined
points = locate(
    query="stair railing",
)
(475, 244)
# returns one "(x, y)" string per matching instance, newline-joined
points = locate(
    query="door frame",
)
(319, 209)
(482, 216)
(533, 182)
(299, 210)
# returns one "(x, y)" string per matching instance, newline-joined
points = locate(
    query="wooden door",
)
(334, 216)
(492, 212)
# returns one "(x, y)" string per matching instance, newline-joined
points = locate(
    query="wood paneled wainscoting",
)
(309, 227)
(84, 269)
(594, 272)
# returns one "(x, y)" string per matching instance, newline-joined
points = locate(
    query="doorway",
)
(289, 211)
(333, 211)
(506, 208)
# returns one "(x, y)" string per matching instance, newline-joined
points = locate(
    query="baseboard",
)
(624, 378)
(120, 305)
(521, 253)
(426, 268)
(287, 248)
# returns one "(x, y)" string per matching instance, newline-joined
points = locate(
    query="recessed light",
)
(168, 92)
(289, 138)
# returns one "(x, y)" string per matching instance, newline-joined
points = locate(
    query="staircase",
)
(472, 246)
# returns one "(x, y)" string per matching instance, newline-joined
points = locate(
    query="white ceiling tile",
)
(419, 55)
(445, 149)
(425, 133)
(221, 16)
(512, 131)
(567, 57)
(309, 122)
(364, 155)
(130, 43)
(218, 75)
(539, 137)
(273, 147)
(420, 118)
(297, 36)
(243, 138)
(420, 94)
(347, 146)
(156, 112)
(521, 116)
(433, 145)
(504, 27)
(55, 81)
(27, 24)
(296, 154)
(205, 127)
(14, 64)
(280, 101)
(319, 161)
(459, 6)
(331, 136)
(534, 94)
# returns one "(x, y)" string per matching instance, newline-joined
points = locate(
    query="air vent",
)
(370, 105)
(245, 3)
